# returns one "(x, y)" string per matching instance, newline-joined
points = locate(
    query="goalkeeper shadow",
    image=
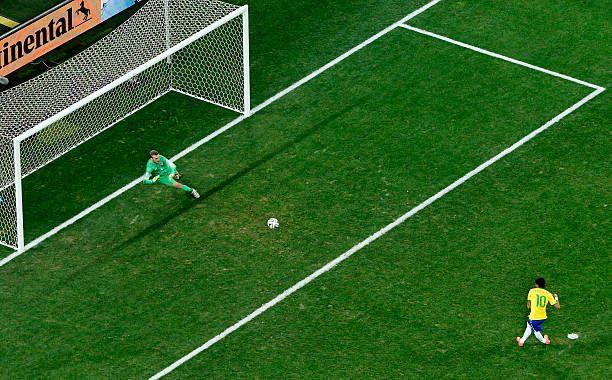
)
(100, 166)
(187, 204)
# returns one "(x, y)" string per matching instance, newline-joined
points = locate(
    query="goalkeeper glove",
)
(151, 181)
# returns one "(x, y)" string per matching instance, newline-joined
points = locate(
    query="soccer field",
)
(152, 275)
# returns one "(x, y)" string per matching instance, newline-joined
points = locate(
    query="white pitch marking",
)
(113, 195)
(503, 57)
(371, 238)
(233, 123)
(342, 57)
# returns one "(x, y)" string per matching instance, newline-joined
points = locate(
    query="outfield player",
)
(162, 170)
(537, 300)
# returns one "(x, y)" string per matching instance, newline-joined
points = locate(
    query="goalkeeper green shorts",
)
(166, 181)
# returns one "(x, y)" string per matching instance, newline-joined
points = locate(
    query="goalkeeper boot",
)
(195, 194)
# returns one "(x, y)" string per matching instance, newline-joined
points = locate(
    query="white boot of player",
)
(195, 194)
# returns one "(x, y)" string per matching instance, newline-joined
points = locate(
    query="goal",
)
(199, 48)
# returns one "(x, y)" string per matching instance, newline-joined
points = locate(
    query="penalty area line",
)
(330, 265)
(499, 56)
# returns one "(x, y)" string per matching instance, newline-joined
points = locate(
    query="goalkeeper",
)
(162, 170)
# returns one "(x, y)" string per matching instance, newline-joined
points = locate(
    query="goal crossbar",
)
(206, 58)
(53, 119)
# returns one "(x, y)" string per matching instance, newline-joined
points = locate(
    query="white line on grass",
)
(499, 56)
(346, 55)
(112, 196)
(374, 237)
(231, 124)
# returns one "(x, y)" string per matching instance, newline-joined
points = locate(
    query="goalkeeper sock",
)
(187, 188)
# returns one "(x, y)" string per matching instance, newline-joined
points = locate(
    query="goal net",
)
(196, 47)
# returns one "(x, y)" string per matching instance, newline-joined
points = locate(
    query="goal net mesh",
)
(8, 214)
(157, 50)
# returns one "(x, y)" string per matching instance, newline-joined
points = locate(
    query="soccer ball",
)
(273, 223)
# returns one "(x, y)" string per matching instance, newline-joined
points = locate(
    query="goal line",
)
(218, 132)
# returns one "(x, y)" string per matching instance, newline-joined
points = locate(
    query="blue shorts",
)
(536, 325)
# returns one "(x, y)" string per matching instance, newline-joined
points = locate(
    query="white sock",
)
(526, 334)
(538, 335)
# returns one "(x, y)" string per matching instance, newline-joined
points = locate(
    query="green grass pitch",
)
(152, 275)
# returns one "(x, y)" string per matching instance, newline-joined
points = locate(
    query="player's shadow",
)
(189, 204)
(230, 180)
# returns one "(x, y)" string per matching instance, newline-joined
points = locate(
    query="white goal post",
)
(199, 48)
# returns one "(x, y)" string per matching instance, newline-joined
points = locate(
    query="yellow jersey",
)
(540, 298)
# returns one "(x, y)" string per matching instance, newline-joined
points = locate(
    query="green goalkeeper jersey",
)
(164, 169)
